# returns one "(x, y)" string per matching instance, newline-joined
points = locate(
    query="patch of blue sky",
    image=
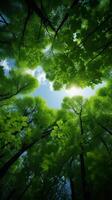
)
(54, 98)
(7, 64)
(45, 90)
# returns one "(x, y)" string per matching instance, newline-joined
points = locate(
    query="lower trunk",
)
(72, 186)
(10, 162)
(11, 194)
(7, 165)
(85, 191)
(23, 192)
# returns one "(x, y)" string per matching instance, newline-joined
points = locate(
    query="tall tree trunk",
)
(11, 161)
(85, 191)
(24, 191)
(72, 186)
(83, 178)
(11, 194)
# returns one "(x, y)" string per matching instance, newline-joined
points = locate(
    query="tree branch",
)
(101, 51)
(4, 21)
(24, 148)
(108, 17)
(106, 129)
(29, 13)
(66, 17)
(36, 8)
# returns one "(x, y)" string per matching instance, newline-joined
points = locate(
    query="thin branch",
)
(40, 28)
(106, 129)
(101, 51)
(105, 145)
(74, 110)
(24, 148)
(29, 13)
(4, 21)
(36, 8)
(9, 96)
(66, 16)
(96, 28)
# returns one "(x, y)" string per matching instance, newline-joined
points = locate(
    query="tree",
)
(75, 105)
(59, 154)
(71, 40)
(15, 84)
(29, 121)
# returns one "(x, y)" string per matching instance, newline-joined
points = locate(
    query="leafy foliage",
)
(59, 154)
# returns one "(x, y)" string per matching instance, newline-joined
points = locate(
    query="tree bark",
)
(72, 186)
(24, 191)
(11, 161)
(85, 192)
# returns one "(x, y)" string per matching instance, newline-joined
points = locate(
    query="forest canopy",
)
(56, 154)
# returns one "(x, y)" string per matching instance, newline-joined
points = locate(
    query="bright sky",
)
(45, 90)
(54, 98)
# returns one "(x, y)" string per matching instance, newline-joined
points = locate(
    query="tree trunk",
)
(83, 178)
(85, 192)
(72, 186)
(8, 164)
(24, 191)
(11, 161)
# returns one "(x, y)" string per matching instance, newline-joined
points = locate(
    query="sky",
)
(45, 89)
(54, 98)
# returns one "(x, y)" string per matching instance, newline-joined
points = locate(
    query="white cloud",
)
(41, 78)
(50, 84)
(37, 73)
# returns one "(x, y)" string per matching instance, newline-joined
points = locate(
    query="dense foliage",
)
(46, 153)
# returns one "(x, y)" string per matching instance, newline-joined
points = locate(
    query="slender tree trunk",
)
(83, 178)
(11, 161)
(11, 194)
(24, 191)
(8, 164)
(14, 195)
(85, 191)
(72, 186)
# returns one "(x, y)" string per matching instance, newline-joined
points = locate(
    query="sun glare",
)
(73, 91)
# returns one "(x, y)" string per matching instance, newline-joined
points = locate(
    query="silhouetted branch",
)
(4, 20)
(75, 2)
(108, 17)
(36, 8)
(103, 48)
(29, 13)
